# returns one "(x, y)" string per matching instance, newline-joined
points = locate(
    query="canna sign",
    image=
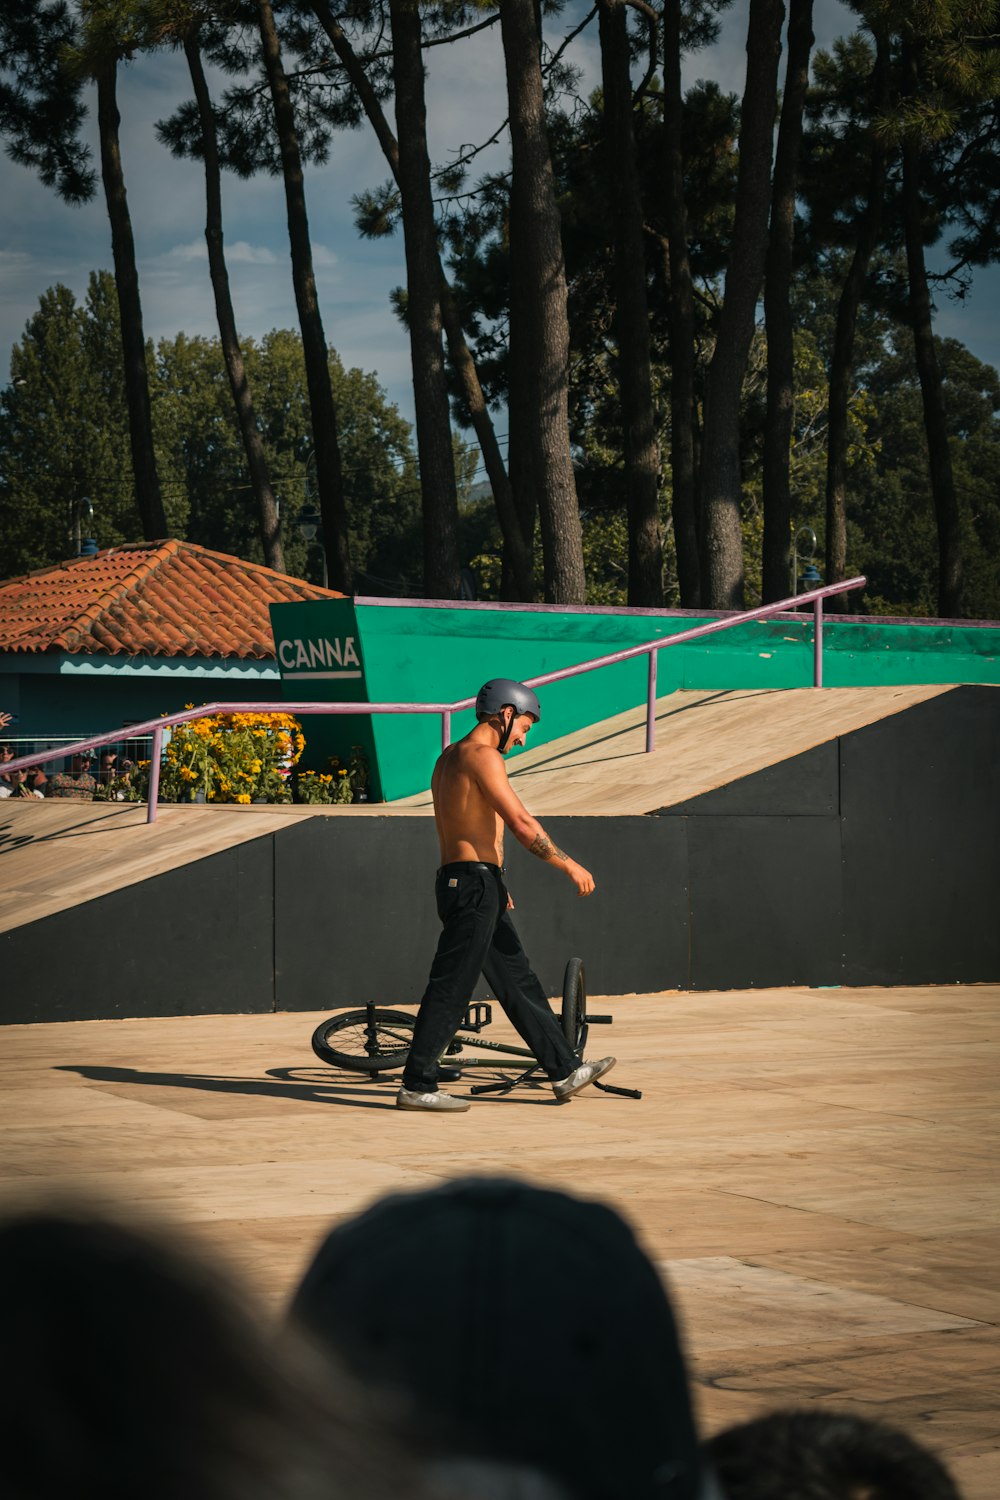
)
(319, 650)
(322, 659)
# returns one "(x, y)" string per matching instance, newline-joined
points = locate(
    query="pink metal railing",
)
(156, 727)
(650, 648)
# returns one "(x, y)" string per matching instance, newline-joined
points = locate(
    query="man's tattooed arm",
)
(543, 846)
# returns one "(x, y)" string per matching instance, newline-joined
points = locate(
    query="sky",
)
(44, 241)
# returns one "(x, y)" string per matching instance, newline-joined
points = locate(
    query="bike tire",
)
(359, 1049)
(574, 1005)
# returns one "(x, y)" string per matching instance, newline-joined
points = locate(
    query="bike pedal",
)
(479, 1013)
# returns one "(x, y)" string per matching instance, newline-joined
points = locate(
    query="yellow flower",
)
(243, 796)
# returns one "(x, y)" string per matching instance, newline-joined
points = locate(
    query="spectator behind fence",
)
(525, 1327)
(133, 1372)
(825, 1455)
(107, 767)
(75, 783)
(17, 784)
(6, 754)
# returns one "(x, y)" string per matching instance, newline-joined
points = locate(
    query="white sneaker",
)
(565, 1088)
(442, 1103)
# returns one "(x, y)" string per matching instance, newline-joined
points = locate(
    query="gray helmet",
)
(499, 691)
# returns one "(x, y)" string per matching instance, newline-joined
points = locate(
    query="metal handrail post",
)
(651, 703)
(818, 642)
(154, 774)
(445, 729)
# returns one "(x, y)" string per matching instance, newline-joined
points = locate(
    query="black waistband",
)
(461, 865)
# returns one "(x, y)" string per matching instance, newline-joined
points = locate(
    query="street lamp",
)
(82, 518)
(805, 538)
(309, 525)
(311, 485)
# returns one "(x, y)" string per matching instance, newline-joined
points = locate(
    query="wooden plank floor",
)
(703, 740)
(815, 1172)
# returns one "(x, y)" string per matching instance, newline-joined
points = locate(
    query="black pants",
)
(478, 936)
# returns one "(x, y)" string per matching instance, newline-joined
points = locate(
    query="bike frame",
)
(468, 1039)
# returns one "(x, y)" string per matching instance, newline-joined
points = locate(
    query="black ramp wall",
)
(632, 933)
(765, 901)
(198, 940)
(765, 877)
(920, 818)
(353, 911)
(355, 916)
(874, 859)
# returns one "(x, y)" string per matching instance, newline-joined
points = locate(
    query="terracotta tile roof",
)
(150, 599)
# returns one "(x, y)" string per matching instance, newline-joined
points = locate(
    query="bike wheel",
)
(574, 1005)
(364, 1041)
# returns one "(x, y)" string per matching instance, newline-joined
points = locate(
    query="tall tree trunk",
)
(539, 329)
(778, 309)
(684, 501)
(140, 422)
(329, 477)
(246, 417)
(642, 466)
(868, 229)
(950, 580)
(721, 480)
(516, 550)
(423, 300)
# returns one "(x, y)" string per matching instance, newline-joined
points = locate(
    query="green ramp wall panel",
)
(391, 651)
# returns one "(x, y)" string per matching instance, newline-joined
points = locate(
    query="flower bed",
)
(232, 758)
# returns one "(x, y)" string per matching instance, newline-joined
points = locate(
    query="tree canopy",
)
(64, 436)
(603, 284)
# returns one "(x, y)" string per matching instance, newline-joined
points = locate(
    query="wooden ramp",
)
(54, 855)
(814, 1171)
(703, 741)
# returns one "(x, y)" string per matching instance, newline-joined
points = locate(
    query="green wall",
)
(344, 650)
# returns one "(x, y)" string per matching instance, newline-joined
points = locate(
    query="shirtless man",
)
(473, 800)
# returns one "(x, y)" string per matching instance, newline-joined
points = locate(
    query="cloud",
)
(239, 253)
(323, 257)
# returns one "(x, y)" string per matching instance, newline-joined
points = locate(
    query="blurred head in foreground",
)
(524, 1326)
(133, 1371)
(825, 1455)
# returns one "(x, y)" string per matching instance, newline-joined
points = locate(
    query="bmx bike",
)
(376, 1040)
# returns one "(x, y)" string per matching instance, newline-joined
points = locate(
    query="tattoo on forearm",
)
(545, 848)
